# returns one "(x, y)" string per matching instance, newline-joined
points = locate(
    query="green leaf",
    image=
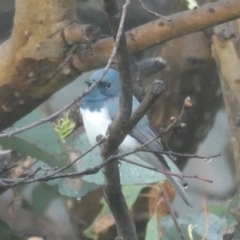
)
(42, 196)
(7, 233)
(152, 228)
(70, 187)
(222, 212)
(75, 188)
(130, 193)
(64, 126)
(41, 142)
(44, 144)
(212, 227)
(130, 174)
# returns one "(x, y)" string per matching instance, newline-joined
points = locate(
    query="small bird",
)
(100, 107)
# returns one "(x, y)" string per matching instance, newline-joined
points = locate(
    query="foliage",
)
(104, 220)
(152, 228)
(7, 233)
(213, 224)
(45, 145)
(64, 126)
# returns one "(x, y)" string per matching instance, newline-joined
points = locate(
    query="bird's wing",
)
(142, 132)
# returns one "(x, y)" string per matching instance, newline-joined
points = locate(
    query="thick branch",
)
(112, 187)
(161, 30)
(125, 104)
(226, 54)
(37, 60)
(34, 61)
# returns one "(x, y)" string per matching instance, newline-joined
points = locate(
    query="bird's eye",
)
(108, 85)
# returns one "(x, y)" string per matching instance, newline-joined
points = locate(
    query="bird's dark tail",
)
(163, 162)
(175, 181)
(180, 189)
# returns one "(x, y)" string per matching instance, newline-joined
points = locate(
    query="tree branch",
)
(31, 60)
(226, 54)
(112, 187)
(161, 30)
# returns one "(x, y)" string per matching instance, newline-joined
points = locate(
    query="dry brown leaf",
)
(22, 167)
(156, 201)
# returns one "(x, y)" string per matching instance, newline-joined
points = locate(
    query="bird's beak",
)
(88, 82)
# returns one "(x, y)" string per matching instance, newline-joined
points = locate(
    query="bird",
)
(100, 107)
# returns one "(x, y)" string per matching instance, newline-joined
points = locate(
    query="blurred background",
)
(190, 71)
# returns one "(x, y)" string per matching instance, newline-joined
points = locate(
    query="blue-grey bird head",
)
(108, 87)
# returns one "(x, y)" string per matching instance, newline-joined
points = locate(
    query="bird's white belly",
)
(96, 123)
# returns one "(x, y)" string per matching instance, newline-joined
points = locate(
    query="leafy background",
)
(74, 208)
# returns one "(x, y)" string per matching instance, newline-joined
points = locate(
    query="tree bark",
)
(226, 51)
(30, 59)
(39, 59)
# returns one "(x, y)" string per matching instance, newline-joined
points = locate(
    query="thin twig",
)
(63, 63)
(8, 182)
(171, 153)
(89, 171)
(158, 88)
(169, 127)
(170, 208)
(78, 158)
(152, 12)
(6, 169)
(180, 176)
(136, 115)
(58, 171)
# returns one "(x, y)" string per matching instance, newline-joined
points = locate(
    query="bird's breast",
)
(95, 123)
